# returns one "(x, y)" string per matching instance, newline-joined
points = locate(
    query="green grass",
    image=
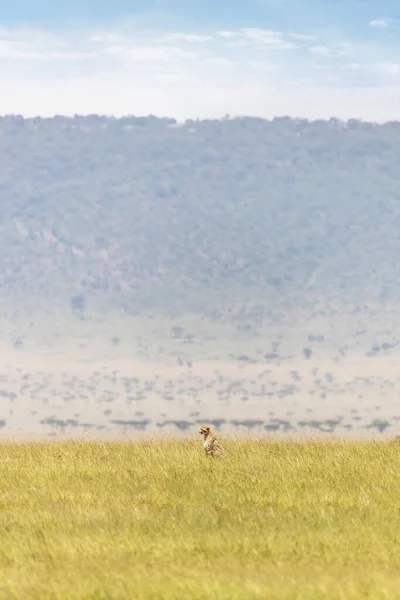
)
(160, 521)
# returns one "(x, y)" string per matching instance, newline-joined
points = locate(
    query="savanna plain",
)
(157, 519)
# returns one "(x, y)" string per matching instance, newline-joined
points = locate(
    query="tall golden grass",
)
(158, 520)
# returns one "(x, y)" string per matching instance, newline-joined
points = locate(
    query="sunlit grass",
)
(158, 520)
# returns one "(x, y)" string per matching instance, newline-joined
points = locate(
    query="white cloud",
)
(149, 53)
(344, 49)
(256, 33)
(391, 68)
(189, 37)
(337, 51)
(30, 35)
(227, 34)
(283, 46)
(321, 50)
(379, 23)
(261, 36)
(352, 66)
(110, 38)
(275, 44)
(220, 62)
(11, 49)
(251, 36)
(15, 50)
(303, 37)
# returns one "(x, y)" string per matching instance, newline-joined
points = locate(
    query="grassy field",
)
(159, 521)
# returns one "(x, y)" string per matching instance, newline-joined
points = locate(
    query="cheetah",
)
(211, 445)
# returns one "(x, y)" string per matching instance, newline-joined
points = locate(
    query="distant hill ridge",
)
(142, 210)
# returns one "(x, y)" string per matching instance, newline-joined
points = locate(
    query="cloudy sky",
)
(201, 58)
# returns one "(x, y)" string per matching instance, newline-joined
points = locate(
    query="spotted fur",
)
(211, 445)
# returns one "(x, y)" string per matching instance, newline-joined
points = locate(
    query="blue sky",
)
(346, 14)
(201, 58)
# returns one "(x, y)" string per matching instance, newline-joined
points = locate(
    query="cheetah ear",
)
(207, 428)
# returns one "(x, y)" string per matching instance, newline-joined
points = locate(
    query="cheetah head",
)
(204, 431)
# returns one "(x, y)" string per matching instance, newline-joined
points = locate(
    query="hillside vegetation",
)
(93, 521)
(155, 274)
(145, 213)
